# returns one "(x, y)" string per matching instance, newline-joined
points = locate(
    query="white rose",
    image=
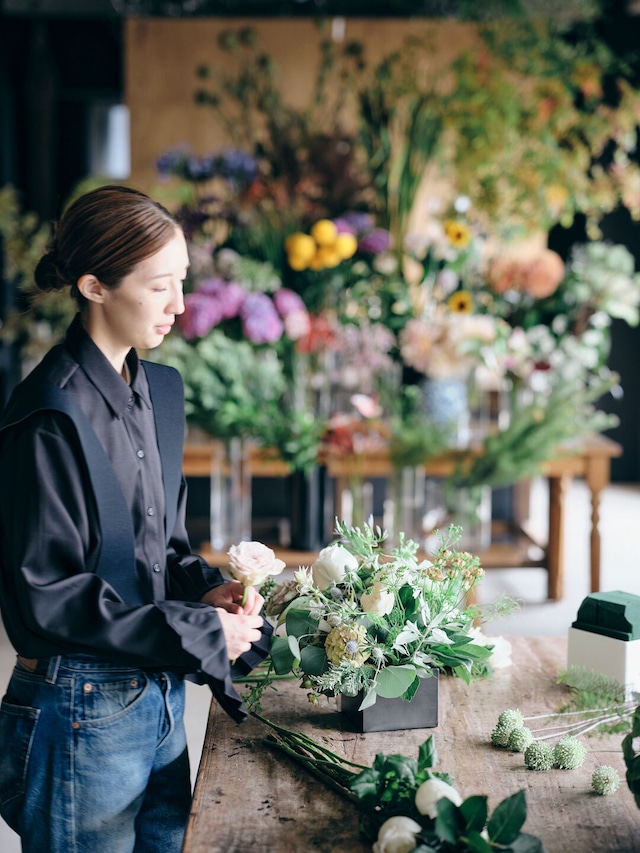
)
(430, 792)
(397, 835)
(378, 601)
(332, 565)
(251, 563)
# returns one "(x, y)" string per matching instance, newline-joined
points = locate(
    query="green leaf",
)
(449, 822)
(393, 681)
(508, 818)
(526, 843)
(313, 660)
(475, 811)
(299, 623)
(427, 754)
(294, 648)
(477, 844)
(282, 658)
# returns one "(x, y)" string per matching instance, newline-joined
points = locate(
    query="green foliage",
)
(631, 754)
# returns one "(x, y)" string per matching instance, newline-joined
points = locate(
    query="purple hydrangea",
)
(260, 321)
(236, 167)
(287, 302)
(229, 295)
(376, 241)
(201, 314)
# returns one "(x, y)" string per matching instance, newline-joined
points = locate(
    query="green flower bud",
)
(569, 753)
(500, 736)
(520, 738)
(605, 780)
(539, 756)
(511, 719)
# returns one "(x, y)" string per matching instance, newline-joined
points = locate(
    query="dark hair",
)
(106, 233)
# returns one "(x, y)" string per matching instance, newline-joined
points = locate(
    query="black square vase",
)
(387, 715)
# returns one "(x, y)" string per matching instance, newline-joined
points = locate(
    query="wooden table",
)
(248, 797)
(590, 459)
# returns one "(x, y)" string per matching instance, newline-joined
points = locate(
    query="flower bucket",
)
(388, 715)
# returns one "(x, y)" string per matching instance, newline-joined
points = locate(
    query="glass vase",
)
(404, 506)
(230, 493)
(445, 402)
(466, 506)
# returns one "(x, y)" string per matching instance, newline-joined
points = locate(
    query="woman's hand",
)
(239, 631)
(228, 596)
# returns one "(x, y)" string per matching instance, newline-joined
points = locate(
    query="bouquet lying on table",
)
(366, 620)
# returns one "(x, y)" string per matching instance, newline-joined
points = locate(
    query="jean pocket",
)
(106, 701)
(17, 730)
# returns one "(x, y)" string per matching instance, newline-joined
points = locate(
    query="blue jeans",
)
(93, 757)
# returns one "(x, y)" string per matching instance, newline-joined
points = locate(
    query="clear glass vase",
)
(445, 402)
(230, 493)
(404, 506)
(466, 506)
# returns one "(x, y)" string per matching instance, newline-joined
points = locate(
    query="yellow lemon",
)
(345, 246)
(324, 232)
(301, 245)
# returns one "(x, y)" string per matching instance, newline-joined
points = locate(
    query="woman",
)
(101, 597)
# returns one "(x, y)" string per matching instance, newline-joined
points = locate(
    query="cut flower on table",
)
(371, 620)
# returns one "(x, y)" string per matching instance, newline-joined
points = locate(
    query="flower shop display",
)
(372, 622)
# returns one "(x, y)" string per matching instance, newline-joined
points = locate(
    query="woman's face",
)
(142, 310)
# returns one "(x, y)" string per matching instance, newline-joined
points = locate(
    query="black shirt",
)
(51, 601)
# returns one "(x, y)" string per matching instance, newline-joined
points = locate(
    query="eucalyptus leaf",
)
(393, 681)
(281, 655)
(313, 660)
(300, 623)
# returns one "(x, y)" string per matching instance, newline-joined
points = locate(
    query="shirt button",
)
(140, 454)
(156, 567)
(151, 511)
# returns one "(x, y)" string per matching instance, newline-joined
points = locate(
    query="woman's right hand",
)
(240, 631)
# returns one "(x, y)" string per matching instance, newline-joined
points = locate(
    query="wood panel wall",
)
(162, 57)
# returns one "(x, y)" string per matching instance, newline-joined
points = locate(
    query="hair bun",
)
(48, 275)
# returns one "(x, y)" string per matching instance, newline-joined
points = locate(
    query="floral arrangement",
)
(365, 620)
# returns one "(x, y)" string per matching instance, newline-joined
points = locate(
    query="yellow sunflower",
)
(461, 302)
(457, 233)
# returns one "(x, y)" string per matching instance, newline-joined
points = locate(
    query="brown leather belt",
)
(29, 664)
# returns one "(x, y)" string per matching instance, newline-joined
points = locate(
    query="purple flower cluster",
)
(371, 240)
(263, 320)
(236, 167)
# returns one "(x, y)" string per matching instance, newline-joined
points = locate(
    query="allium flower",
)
(500, 735)
(605, 780)
(260, 321)
(520, 738)
(569, 753)
(430, 792)
(511, 718)
(539, 756)
(346, 643)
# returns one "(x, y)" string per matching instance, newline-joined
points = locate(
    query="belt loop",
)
(52, 671)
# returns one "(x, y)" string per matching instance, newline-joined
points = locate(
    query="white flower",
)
(251, 563)
(501, 652)
(332, 564)
(378, 601)
(430, 792)
(397, 835)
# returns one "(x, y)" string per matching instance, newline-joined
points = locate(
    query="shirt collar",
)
(101, 373)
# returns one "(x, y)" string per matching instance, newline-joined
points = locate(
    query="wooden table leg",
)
(597, 477)
(555, 546)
